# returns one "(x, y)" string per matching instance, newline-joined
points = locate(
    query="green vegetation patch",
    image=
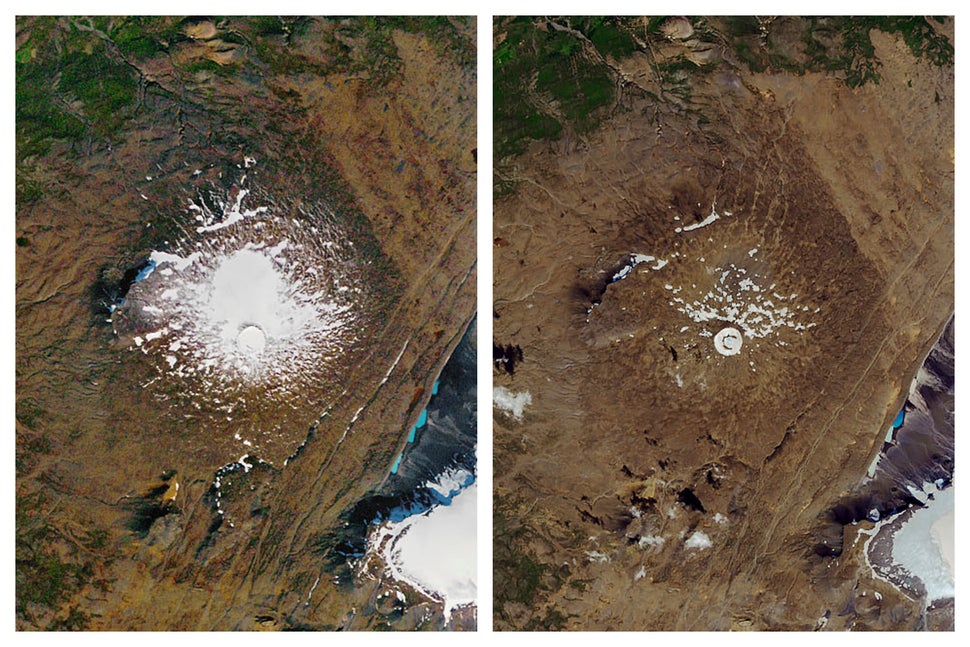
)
(51, 565)
(547, 79)
(553, 75)
(609, 36)
(443, 32)
(70, 83)
(142, 36)
(366, 43)
(519, 576)
(104, 87)
(840, 45)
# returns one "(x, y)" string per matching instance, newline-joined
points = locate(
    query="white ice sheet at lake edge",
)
(924, 546)
(436, 551)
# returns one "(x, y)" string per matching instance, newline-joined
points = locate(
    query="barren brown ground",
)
(847, 194)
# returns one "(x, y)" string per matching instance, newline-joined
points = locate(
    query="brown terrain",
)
(117, 519)
(639, 434)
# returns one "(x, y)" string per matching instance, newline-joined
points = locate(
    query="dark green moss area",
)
(445, 33)
(547, 77)
(77, 78)
(840, 45)
(52, 564)
(365, 44)
(518, 576)
(142, 36)
(74, 79)
(361, 45)
(104, 87)
(79, 85)
(556, 74)
(269, 39)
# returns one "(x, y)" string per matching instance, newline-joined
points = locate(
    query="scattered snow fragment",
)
(651, 541)
(743, 302)
(698, 541)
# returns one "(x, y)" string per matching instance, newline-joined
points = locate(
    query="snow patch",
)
(231, 213)
(698, 541)
(177, 262)
(512, 403)
(450, 482)
(251, 307)
(714, 215)
(651, 541)
(636, 259)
